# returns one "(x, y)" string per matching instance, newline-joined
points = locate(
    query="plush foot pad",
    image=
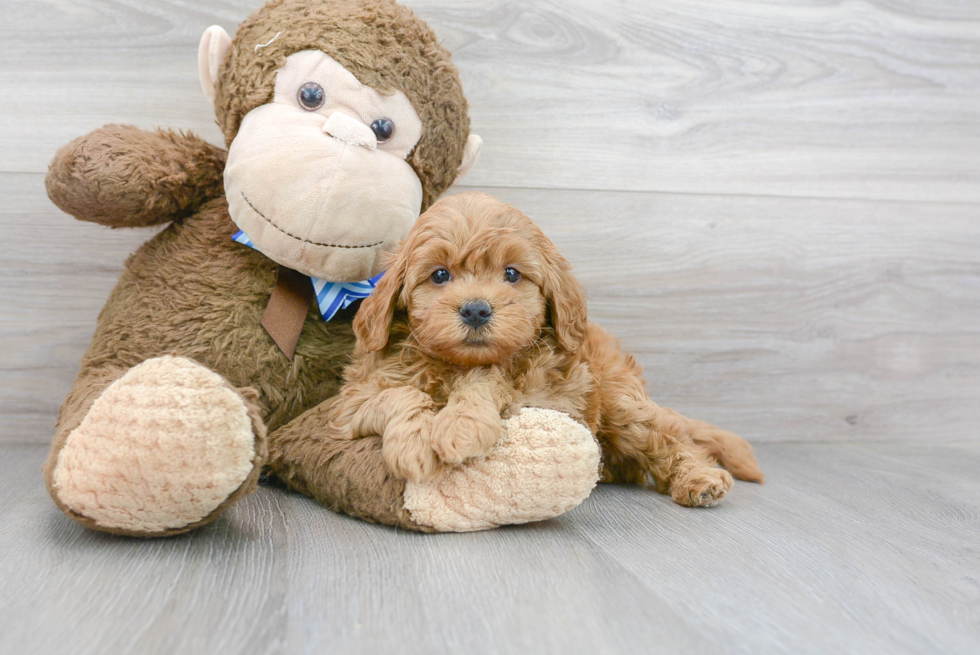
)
(544, 465)
(161, 449)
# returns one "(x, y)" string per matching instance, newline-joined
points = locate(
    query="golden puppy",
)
(477, 316)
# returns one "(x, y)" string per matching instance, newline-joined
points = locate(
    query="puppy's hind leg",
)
(641, 440)
(727, 448)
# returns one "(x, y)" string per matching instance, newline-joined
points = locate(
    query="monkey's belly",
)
(191, 291)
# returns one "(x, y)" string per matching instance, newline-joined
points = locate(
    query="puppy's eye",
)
(441, 276)
(311, 96)
(512, 275)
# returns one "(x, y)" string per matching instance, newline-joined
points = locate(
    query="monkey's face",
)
(317, 178)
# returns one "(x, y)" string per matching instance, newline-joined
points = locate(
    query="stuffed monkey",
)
(213, 358)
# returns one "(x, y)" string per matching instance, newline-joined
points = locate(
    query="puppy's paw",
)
(406, 447)
(460, 432)
(701, 487)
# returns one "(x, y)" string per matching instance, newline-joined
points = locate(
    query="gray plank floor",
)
(775, 205)
(849, 548)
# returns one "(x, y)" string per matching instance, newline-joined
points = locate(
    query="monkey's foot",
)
(164, 449)
(543, 465)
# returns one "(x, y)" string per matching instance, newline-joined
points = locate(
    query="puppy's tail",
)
(732, 451)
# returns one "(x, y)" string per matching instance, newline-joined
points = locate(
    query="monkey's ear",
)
(471, 153)
(210, 54)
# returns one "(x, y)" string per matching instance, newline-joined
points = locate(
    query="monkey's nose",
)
(475, 312)
(350, 130)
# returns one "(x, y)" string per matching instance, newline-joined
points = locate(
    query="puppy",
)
(477, 316)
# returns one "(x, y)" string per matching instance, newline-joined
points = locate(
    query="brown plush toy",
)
(212, 360)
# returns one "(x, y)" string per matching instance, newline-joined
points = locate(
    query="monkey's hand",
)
(122, 176)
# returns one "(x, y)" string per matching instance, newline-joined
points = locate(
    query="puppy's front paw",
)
(701, 487)
(406, 447)
(460, 432)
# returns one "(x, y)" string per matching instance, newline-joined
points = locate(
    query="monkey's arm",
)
(122, 176)
(546, 465)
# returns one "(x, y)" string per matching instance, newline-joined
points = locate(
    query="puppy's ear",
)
(567, 309)
(373, 320)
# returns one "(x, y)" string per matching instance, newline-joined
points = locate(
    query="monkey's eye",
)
(440, 276)
(311, 96)
(512, 275)
(383, 128)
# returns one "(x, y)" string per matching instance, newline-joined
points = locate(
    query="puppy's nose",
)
(475, 312)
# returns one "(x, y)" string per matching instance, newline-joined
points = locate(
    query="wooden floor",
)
(775, 205)
(849, 548)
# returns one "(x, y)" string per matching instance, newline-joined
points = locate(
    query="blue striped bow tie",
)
(331, 297)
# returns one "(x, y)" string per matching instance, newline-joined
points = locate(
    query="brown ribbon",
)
(286, 312)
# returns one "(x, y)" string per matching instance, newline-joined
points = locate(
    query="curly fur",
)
(436, 388)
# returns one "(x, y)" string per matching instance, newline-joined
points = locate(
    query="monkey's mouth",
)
(301, 239)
